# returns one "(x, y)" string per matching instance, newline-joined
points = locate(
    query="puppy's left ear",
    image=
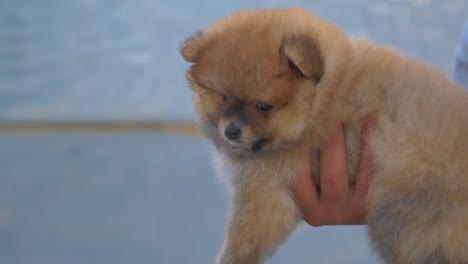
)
(303, 56)
(192, 47)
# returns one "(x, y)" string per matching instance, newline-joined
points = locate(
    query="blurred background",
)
(147, 196)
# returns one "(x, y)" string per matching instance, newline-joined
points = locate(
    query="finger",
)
(305, 190)
(364, 175)
(334, 180)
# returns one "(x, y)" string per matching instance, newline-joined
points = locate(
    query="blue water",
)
(119, 59)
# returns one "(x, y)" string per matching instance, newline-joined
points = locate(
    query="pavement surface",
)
(141, 197)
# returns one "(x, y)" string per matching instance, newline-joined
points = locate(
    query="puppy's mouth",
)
(258, 145)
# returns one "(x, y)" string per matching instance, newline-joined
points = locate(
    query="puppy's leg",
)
(418, 227)
(262, 217)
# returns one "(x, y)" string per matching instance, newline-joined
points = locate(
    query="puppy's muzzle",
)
(233, 132)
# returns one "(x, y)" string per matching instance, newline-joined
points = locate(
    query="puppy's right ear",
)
(192, 47)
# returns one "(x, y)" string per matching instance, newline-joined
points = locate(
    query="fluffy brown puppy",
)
(270, 85)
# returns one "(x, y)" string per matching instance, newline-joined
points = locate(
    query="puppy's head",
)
(255, 75)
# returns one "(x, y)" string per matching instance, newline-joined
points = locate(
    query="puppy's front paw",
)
(226, 257)
(224, 260)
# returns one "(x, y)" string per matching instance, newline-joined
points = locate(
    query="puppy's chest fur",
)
(275, 169)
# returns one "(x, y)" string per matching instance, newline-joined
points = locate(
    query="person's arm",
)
(460, 72)
(338, 203)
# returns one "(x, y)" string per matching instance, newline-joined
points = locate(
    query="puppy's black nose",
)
(233, 132)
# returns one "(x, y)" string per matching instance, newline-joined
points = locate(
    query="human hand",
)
(339, 202)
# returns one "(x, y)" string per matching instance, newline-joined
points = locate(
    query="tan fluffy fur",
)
(418, 201)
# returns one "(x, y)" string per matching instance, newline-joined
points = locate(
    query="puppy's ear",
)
(192, 47)
(303, 56)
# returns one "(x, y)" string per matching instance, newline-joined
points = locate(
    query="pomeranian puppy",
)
(269, 86)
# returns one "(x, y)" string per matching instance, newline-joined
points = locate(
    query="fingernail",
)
(335, 137)
(369, 124)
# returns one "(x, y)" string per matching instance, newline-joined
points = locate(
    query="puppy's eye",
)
(263, 107)
(224, 98)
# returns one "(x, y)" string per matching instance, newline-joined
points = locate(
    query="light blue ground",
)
(148, 198)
